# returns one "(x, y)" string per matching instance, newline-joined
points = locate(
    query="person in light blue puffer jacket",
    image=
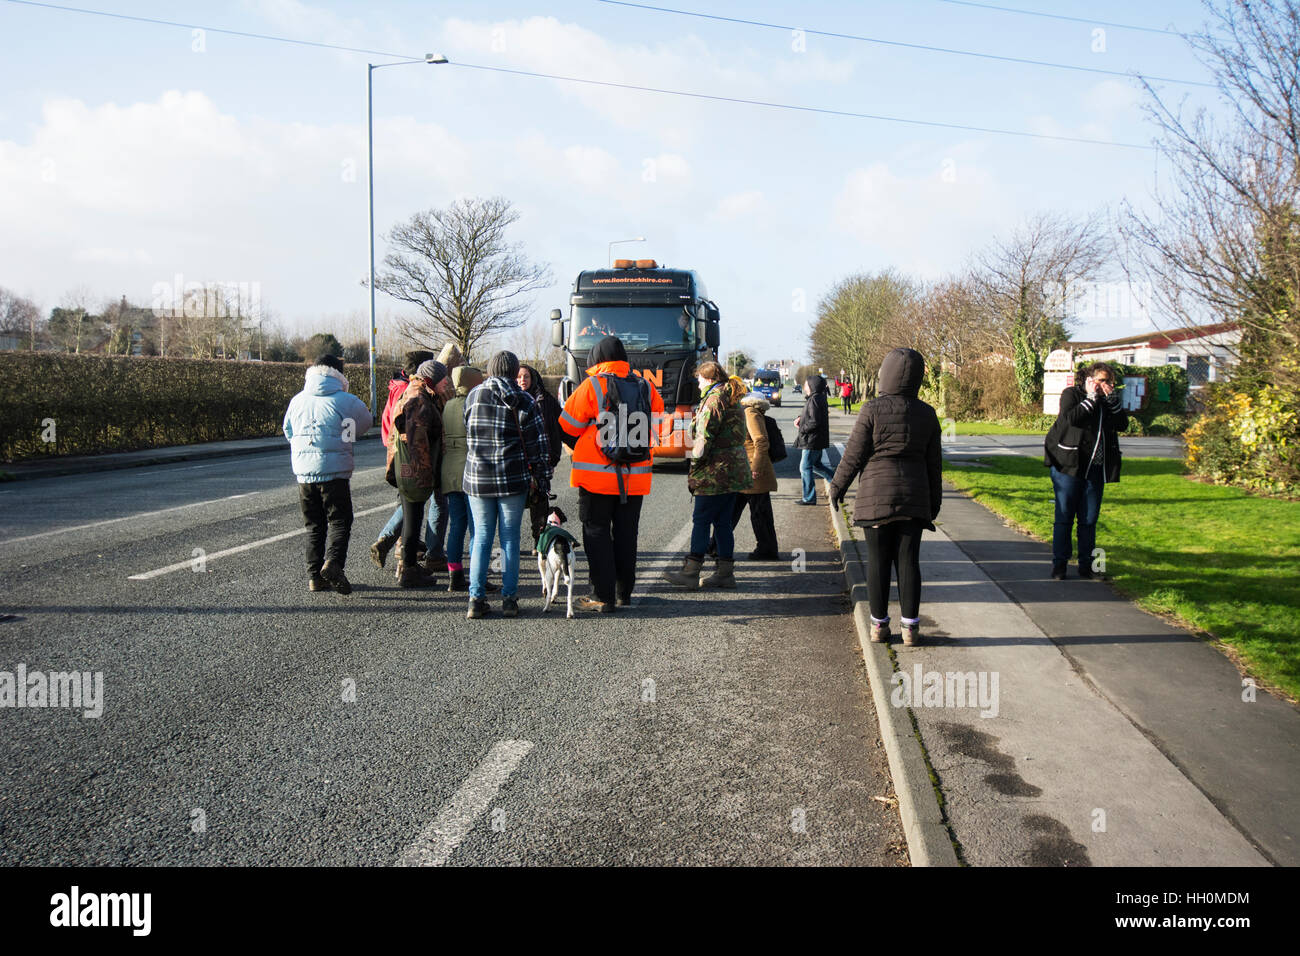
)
(322, 424)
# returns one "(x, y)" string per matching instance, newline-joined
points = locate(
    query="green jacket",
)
(720, 465)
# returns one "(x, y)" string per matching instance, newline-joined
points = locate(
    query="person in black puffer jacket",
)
(814, 437)
(895, 447)
(1082, 450)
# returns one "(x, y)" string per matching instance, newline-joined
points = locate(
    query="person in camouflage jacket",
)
(719, 470)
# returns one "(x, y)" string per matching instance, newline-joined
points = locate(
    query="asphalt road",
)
(249, 721)
(965, 447)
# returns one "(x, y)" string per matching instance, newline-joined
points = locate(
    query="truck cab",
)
(767, 382)
(666, 323)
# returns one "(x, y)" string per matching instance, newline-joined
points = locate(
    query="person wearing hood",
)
(417, 425)
(391, 533)
(814, 437)
(1082, 451)
(895, 446)
(322, 423)
(610, 521)
(507, 458)
(539, 506)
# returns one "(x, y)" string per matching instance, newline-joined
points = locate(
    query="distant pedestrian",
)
(814, 437)
(895, 446)
(454, 451)
(530, 380)
(391, 533)
(719, 470)
(322, 423)
(507, 458)
(609, 495)
(846, 396)
(416, 437)
(1082, 451)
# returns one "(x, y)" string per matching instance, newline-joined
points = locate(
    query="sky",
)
(133, 152)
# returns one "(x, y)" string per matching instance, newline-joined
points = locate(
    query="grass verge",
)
(1216, 558)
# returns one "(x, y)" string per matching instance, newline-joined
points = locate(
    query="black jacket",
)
(814, 423)
(1086, 431)
(551, 410)
(895, 446)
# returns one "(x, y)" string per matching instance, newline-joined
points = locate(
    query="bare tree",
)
(1025, 280)
(19, 317)
(1224, 240)
(855, 321)
(456, 265)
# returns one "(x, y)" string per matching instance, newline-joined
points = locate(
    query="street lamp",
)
(617, 242)
(431, 59)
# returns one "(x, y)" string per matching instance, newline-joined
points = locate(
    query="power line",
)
(605, 83)
(899, 43)
(196, 26)
(1059, 16)
(803, 109)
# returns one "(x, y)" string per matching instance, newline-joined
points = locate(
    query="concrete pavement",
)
(1113, 738)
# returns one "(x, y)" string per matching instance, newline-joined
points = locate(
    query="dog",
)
(556, 558)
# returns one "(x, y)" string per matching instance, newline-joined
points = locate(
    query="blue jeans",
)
(1076, 498)
(459, 520)
(813, 462)
(486, 512)
(712, 518)
(435, 525)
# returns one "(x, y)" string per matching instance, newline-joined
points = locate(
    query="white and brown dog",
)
(556, 559)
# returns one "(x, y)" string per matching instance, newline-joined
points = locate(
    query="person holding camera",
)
(1082, 451)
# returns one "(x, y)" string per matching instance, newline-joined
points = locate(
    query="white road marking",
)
(182, 565)
(439, 840)
(143, 514)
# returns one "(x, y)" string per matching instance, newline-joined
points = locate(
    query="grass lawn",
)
(994, 428)
(1220, 559)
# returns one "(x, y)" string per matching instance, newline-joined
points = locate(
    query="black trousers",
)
(894, 545)
(539, 509)
(326, 507)
(760, 519)
(609, 533)
(412, 527)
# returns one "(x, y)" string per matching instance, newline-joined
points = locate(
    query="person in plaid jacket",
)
(507, 457)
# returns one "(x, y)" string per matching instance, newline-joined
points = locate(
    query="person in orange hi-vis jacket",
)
(610, 520)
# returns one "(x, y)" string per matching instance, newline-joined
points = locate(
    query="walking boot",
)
(459, 582)
(911, 634)
(414, 576)
(688, 576)
(723, 575)
(880, 632)
(317, 583)
(337, 579)
(379, 550)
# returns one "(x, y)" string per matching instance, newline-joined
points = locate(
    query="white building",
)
(1207, 352)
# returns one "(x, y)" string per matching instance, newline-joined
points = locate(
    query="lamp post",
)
(431, 59)
(617, 242)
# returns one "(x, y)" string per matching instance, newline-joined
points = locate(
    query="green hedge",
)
(103, 404)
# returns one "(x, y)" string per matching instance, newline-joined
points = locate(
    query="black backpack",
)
(775, 440)
(627, 400)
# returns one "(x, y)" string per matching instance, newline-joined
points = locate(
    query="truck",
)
(667, 324)
(767, 382)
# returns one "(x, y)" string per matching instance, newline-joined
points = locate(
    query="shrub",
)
(1167, 424)
(1251, 442)
(101, 404)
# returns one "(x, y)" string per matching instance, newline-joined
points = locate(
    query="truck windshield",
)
(763, 377)
(640, 327)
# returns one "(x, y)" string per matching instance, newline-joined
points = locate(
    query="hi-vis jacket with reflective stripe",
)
(591, 469)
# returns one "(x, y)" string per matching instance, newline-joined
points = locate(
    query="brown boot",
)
(688, 576)
(413, 576)
(723, 575)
